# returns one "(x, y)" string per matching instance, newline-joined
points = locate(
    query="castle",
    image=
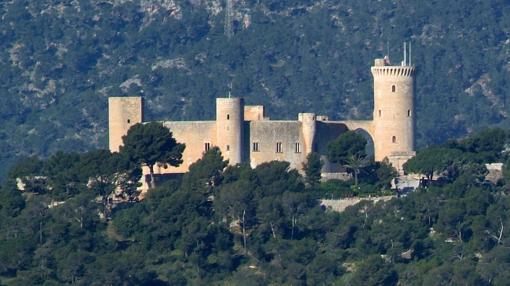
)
(245, 135)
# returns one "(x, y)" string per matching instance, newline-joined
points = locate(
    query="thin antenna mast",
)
(404, 63)
(410, 62)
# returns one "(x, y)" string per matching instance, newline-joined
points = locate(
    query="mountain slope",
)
(59, 62)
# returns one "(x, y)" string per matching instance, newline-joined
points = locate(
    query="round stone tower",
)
(393, 112)
(229, 128)
(309, 126)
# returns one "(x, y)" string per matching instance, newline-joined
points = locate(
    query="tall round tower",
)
(309, 127)
(393, 112)
(229, 128)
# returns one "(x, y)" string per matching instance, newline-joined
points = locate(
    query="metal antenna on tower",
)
(230, 89)
(410, 62)
(404, 63)
(228, 19)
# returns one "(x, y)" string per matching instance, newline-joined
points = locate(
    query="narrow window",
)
(207, 147)
(228, 147)
(393, 88)
(297, 148)
(394, 139)
(228, 116)
(129, 120)
(255, 147)
(409, 113)
(379, 113)
(279, 147)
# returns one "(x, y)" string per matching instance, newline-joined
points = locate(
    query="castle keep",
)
(245, 135)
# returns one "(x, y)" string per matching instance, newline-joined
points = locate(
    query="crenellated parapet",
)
(393, 71)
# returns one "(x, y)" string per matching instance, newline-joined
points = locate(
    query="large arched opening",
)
(327, 132)
(370, 142)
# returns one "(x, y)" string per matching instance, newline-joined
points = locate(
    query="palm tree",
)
(355, 163)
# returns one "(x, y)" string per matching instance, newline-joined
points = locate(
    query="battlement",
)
(254, 113)
(306, 116)
(400, 71)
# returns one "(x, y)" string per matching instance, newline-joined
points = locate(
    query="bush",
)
(335, 189)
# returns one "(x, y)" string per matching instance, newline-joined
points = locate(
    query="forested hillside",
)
(235, 225)
(60, 60)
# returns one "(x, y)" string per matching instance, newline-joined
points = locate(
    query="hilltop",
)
(234, 225)
(60, 62)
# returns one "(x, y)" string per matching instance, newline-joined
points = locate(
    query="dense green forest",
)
(234, 225)
(60, 60)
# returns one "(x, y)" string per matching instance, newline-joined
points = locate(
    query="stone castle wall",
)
(254, 113)
(341, 204)
(268, 134)
(195, 134)
(245, 135)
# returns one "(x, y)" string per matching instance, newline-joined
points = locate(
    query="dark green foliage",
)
(384, 173)
(26, 167)
(11, 201)
(224, 224)
(349, 150)
(487, 145)
(151, 143)
(313, 168)
(207, 170)
(432, 160)
(374, 180)
(375, 271)
(335, 189)
(506, 171)
(347, 147)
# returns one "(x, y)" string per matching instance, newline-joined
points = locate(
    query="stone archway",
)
(364, 128)
(370, 148)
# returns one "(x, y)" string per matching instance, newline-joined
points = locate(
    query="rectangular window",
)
(228, 147)
(279, 147)
(207, 146)
(255, 147)
(297, 148)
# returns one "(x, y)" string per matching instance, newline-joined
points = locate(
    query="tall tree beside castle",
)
(312, 168)
(349, 150)
(152, 143)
